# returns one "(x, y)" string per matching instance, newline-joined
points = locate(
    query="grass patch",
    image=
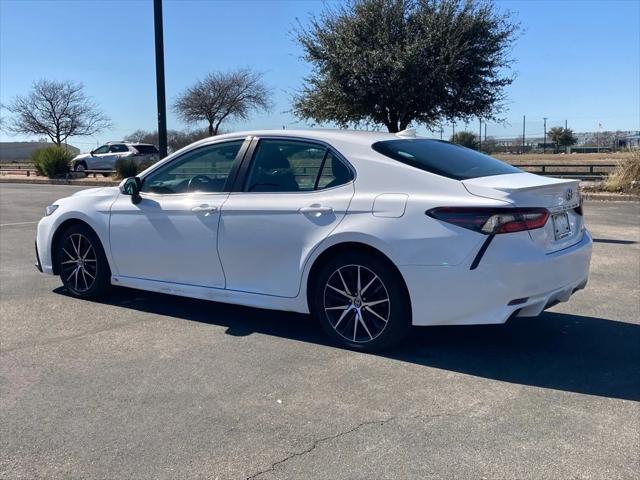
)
(626, 176)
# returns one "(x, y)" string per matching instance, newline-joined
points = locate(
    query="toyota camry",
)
(369, 232)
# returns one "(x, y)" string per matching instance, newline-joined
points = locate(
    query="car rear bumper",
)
(531, 282)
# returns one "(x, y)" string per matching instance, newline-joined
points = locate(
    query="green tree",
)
(466, 139)
(397, 62)
(562, 137)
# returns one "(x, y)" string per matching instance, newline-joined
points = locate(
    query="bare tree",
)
(58, 110)
(222, 96)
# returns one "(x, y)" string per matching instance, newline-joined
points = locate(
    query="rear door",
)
(290, 196)
(561, 197)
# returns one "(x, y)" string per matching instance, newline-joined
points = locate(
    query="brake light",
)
(578, 209)
(490, 220)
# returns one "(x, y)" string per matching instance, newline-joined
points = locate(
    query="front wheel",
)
(83, 267)
(361, 302)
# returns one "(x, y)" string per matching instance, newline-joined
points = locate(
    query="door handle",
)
(316, 208)
(204, 208)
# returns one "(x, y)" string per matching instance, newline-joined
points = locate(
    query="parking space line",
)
(17, 223)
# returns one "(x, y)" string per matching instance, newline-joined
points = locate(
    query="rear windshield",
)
(146, 148)
(443, 158)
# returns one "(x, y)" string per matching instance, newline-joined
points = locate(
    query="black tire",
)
(360, 324)
(80, 167)
(83, 267)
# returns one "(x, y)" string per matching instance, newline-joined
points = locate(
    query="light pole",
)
(162, 106)
(544, 144)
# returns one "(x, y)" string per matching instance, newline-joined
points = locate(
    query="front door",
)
(171, 235)
(295, 193)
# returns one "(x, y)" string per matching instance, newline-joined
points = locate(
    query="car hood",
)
(81, 156)
(98, 192)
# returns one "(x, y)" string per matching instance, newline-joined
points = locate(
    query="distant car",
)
(370, 232)
(106, 156)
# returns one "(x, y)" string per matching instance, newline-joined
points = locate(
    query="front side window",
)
(443, 158)
(205, 169)
(293, 166)
(100, 150)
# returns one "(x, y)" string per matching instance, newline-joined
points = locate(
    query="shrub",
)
(52, 161)
(626, 176)
(466, 139)
(126, 167)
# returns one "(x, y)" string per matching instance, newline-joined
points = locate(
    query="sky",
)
(576, 60)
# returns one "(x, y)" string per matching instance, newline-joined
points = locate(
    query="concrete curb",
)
(60, 181)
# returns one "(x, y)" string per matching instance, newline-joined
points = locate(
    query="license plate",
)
(561, 225)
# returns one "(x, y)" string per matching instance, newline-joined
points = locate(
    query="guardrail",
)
(590, 171)
(29, 170)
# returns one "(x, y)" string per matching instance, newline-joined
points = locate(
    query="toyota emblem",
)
(569, 194)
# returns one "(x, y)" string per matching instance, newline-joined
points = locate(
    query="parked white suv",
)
(106, 156)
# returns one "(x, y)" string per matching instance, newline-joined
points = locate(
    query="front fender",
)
(93, 211)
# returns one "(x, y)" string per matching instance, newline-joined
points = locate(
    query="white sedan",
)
(369, 232)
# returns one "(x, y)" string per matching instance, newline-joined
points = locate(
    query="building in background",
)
(21, 151)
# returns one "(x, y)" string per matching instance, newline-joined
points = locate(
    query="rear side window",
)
(443, 158)
(145, 149)
(294, 166)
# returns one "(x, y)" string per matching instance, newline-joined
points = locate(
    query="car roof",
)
(327, 135)
(124, 142)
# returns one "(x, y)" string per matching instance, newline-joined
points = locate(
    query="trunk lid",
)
(560, 196)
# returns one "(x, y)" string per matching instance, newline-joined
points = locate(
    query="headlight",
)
(50, 209)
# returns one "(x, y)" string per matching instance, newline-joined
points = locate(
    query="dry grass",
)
(572, 158)
(626, 176)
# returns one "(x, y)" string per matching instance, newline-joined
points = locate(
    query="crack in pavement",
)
(316, 443)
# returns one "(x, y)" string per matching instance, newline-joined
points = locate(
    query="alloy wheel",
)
(79, 266)
(357, 303)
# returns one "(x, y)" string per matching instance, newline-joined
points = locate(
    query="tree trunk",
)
(392, 122)
(211, 132)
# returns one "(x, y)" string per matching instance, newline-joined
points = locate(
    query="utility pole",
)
(544, 145)
(162, 104)
(485, 132)
(480, 136)
(565, 124)
(524, 122)
(453, 123)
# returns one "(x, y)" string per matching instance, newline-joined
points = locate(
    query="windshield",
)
(443, 158)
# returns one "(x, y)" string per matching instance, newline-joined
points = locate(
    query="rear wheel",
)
(361, 302)
(83, 267)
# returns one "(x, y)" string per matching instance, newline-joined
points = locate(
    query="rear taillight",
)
(578, 209)
(489, 220)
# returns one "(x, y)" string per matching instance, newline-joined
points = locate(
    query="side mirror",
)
(131, 186)
(91, 152)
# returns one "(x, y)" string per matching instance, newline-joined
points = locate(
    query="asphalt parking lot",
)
(151, 386)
